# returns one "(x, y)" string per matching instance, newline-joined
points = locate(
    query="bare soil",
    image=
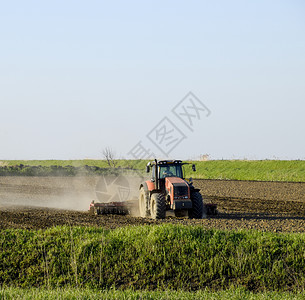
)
(42, 202)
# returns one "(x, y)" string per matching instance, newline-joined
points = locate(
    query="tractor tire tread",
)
(161, 207)
(198, 209)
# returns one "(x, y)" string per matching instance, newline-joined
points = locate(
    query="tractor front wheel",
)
(157, 206)
(198, 209)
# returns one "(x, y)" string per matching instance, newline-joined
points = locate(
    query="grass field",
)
(261, 170)
(69, 293)
(163, 257)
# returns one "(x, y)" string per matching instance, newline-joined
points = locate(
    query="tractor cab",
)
(165, 168)
(170, 170)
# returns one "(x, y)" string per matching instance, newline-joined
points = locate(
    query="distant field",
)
(260, 170)
(265, 170)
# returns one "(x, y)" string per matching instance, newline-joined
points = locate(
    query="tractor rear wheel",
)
(142, 203)
(157, 206)
(197, 211)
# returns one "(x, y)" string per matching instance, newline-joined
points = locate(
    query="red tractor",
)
(167, 190)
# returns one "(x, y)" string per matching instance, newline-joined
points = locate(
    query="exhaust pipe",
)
(156, 175)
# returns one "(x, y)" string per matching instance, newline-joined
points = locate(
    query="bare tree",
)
(109, 156)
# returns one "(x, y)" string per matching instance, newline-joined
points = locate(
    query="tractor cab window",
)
(170, 171)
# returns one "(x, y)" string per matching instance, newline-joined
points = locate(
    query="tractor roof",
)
(166, 162)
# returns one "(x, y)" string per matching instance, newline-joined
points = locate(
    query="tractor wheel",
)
(198, 209)
(157, 206)
(142, 203)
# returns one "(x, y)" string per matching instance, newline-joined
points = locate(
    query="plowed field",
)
(42, 202)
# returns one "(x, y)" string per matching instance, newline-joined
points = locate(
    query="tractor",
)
(168, 190)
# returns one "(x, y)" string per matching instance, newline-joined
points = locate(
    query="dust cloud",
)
(55, 192)
(62, 192)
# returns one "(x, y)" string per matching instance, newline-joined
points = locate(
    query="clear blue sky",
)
(78, 76)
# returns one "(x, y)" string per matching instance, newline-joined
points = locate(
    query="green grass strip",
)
(69, 293)
(161, 257)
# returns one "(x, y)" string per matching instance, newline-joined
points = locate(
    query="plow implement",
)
(113, 208)
(124, 208)
(211, 209)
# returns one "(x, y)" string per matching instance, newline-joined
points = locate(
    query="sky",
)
(164, 79)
